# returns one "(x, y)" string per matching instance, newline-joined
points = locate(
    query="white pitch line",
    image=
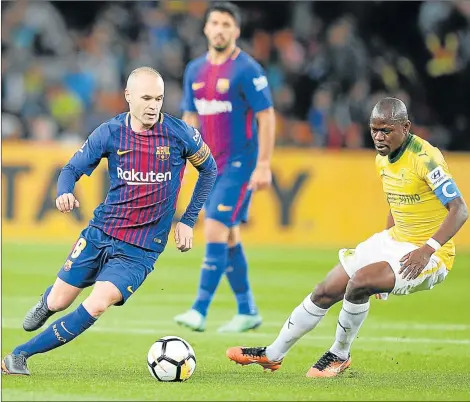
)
(329, 320)
(147, 331)
(13, 322)
(391, 325)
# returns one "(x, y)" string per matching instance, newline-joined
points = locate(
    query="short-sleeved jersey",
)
(226, 98)
(145, 171)
(417, 184)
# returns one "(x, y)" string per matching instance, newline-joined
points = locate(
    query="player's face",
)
(145, 98)
(387, 135)
(221, 31)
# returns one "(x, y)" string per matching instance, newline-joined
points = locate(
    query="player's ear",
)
(407, 127)
(237, 33)
(127, 96)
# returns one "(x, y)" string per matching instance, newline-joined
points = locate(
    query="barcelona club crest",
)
(68, 265)
(223, 85)
(163, 153)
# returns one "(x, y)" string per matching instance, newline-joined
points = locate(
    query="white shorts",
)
(382, 247)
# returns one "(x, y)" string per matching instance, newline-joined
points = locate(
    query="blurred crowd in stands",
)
(64, 64)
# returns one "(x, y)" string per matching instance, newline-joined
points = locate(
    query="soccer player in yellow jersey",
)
(414, 253)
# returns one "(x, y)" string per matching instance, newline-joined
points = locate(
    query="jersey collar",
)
(232, 56)
(128, 119)
(399, 152)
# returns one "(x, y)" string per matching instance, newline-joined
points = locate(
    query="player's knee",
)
(103, 296)
(58, 302)
(95, 309)
(359, 285)
(97, 306)
(215, 231)
(61, 295)
(61, 299)
(323, 296)
(234, 236)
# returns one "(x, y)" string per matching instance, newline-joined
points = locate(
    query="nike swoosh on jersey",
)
(129, 289)
(224, 208)
(198, 85)
(119, 152)
(391, 177)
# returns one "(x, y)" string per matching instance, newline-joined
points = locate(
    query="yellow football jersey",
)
(409, 180)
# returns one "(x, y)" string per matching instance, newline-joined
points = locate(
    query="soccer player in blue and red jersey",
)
(226, 93)
(147, 152)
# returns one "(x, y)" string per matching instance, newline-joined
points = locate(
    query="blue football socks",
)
(213, 267)
(60, 332)
(237, 275)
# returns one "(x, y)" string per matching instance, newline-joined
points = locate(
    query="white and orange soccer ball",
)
(171, 359)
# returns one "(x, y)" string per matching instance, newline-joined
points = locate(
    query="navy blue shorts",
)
(229, 201)
(97, 256)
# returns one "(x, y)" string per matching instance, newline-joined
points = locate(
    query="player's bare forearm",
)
(390, 220)
(457, 216)
(262, 176)
(414, 262)
(191, 118)
(266, 130)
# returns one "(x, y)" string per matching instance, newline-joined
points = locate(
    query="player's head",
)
(389, 125)
(144, 94)
(222, 26)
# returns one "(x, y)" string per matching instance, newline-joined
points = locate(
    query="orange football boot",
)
(329, 365)
(257, 355)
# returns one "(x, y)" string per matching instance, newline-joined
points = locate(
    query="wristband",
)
(434, 244)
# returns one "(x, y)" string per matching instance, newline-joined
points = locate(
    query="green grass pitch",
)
(410, 348)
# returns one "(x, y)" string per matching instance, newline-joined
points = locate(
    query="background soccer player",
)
(415, 253)
(227, 92)
(147, 152)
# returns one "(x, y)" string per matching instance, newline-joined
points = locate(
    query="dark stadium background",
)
(386, 32)
(64, 66)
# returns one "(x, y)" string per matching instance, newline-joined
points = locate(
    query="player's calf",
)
(56, 298)
(331, 290)
(370, 280)
(39, 314)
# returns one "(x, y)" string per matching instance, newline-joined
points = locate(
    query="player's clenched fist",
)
(66, 202)
(183, 237)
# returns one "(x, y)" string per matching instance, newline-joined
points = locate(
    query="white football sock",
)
(350, 320)
(303, 319)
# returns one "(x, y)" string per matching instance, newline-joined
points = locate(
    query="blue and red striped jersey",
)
(145, 170)
(226, 98)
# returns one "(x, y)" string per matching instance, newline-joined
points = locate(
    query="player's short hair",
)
(225, 7)
(393, 108)
(143, 69)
